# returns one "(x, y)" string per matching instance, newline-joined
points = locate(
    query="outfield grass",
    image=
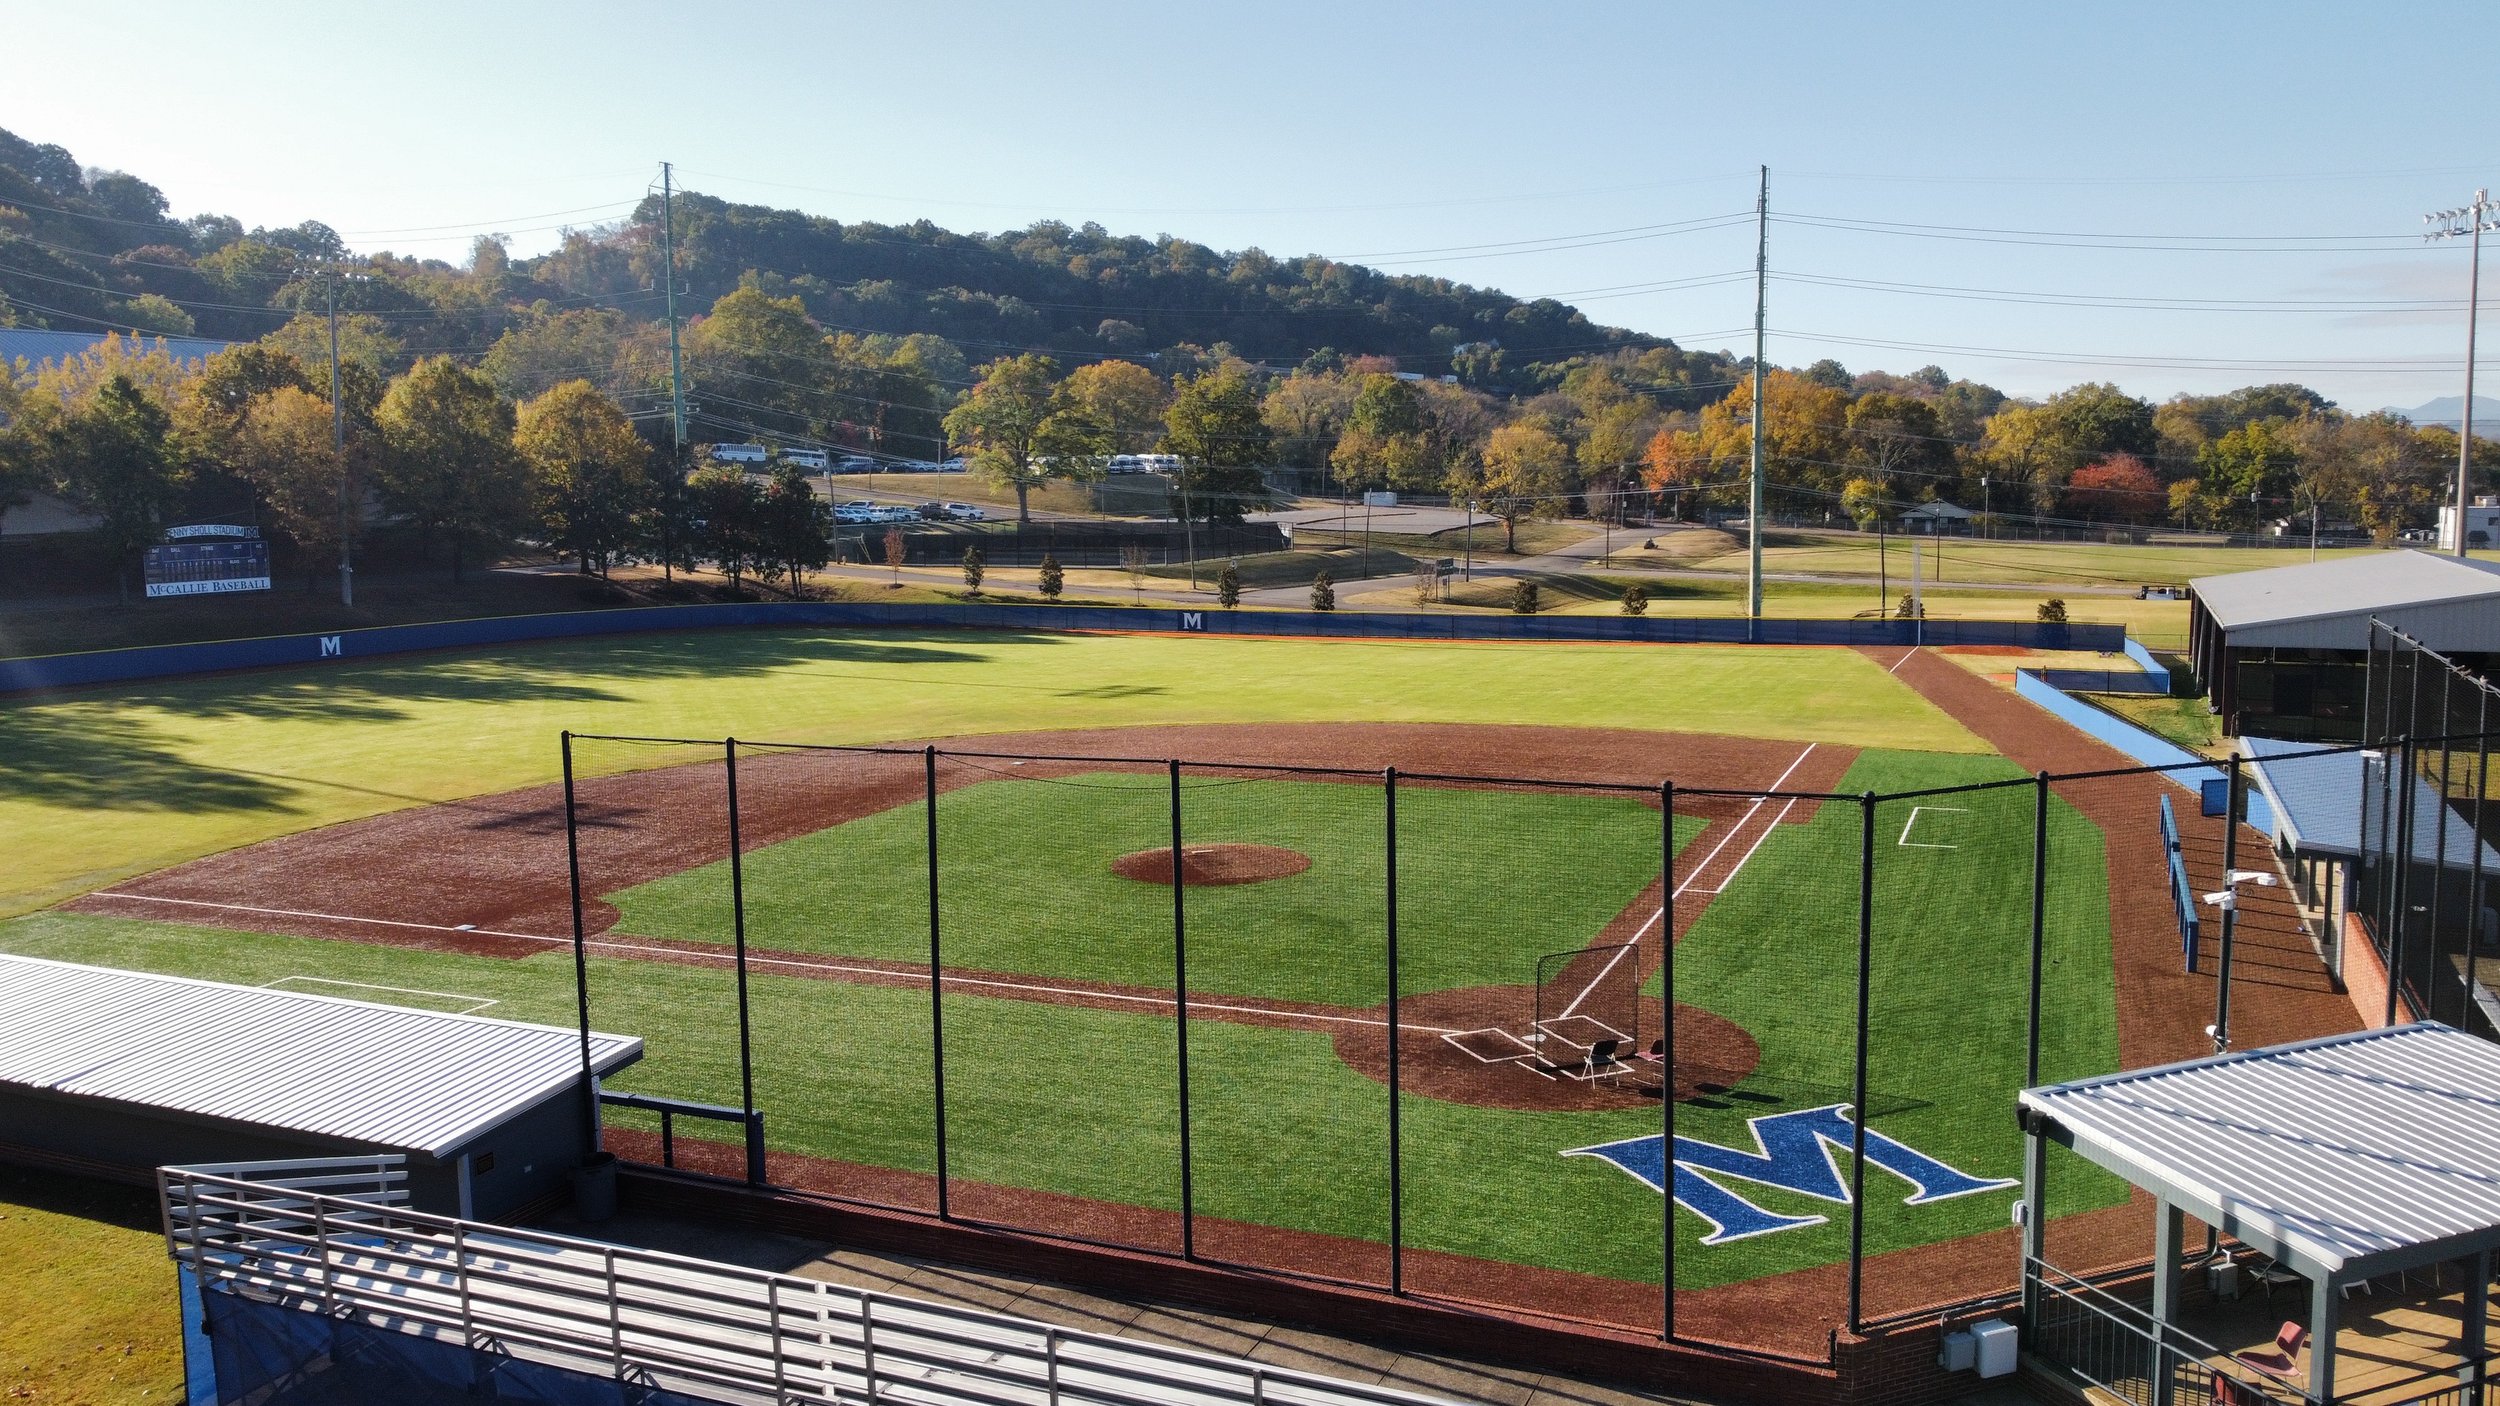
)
(100, 784)
(1031, 888)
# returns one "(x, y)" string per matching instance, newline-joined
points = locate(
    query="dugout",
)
(2284, 652)
(2350, 1176)
(115, 1073)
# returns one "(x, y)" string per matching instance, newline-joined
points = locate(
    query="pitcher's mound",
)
(1212, 865)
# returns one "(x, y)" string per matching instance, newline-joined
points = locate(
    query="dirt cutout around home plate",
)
(1212, 866)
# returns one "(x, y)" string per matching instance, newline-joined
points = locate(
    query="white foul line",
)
(1724, 841)
(608, 945)
(476, 1003)
(1904, 659)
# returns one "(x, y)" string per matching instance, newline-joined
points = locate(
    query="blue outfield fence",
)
(175, 660)
(2139, 745)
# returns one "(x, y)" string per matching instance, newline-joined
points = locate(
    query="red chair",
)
(2280, 1362)
(2231, 1391)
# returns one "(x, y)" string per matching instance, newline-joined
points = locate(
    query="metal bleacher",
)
(333, 1236)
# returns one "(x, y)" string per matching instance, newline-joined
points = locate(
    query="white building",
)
(2482, 524)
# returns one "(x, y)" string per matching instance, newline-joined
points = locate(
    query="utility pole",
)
(338, 447)
(2466, 222)
(668, 277)
(1761, 301)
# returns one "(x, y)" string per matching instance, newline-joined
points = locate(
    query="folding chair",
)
(2278, 1361)
(1601, 1062)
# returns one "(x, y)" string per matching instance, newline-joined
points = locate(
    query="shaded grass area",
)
(100, 784)
(1949, 989)
(1031, 887)
(87, 1306)
(1261, 570)
(1535, 537)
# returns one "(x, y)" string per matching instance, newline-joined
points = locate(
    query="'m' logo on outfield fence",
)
(1192, 620)
(330, 647)
(1793, 1152)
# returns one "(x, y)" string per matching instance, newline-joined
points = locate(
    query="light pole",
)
(2466, 222)
(1987, 527)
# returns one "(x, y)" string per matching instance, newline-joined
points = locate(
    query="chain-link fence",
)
(1541, 1046)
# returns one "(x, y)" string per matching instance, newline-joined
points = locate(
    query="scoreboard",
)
(207, 568)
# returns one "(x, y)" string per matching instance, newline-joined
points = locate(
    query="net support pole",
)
(738, 937)
(1180, 1017)
(937, 980)
(581, 956)
(2435, 922)
(1666, 1060)
(2230, 903)
(2401, 915)
(2039, 922)
(2474, 885)
(1397, 1146)
(1857, 1108)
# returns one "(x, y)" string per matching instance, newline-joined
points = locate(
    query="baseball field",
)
(389, 831)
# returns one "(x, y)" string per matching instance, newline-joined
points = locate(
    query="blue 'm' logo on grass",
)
(1794, 1152)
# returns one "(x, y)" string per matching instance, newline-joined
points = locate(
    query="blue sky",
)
(2266, 165)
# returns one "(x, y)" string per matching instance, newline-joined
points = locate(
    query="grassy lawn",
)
(1124, 495)
(1777, 953)
(1264, 569)
(100, 784)
(1081, 1101)
(1534, 538)
(1035, 891)
(2186, 721)
(99, 1325)
(2027, 563)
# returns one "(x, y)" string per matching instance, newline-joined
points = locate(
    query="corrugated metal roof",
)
(2365, 585)
(400, 1079)
(2336, 1150)
(38, 345)
(2317, 796)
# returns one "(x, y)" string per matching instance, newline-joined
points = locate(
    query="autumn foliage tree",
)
(2119, 488)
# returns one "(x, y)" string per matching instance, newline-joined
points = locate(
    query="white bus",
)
(805, 458)
(739, 454)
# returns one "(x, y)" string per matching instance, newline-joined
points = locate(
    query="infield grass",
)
(101, 784)
(1026, 876)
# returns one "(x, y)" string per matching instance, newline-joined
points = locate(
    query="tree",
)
(282, 448)
(111, 458)
(1386, 443)
(1863, 500)
(2249, 466)
(730, 508)
(1052, 579)
(588, 467)
(665, 531)
(1304, 414)
(1214, 425)
(2116, 489)
(894, 555)
(1228, 585)
(767, 352)
(1133, 561)
(1524, 476)
(1612, 448)
(1636, 599)
(1023, 431)
(1523, 597)
(796, 528)
(976, 565)
(447, 463)
(1125, 399)
(2052, 611)
(1323, 591)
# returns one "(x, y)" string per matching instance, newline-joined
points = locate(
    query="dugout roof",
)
(394, 1078)
(2316, 796)
(2345, 1157)
(2447, 603)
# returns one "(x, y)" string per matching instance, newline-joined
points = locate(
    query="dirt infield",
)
(1212, 866)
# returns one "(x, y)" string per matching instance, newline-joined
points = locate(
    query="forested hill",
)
(89, 250)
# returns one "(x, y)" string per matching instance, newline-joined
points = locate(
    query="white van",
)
(805, 458)
(739, 454)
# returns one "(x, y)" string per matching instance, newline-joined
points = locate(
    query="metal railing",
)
(331, 1236)
(2113, 1344)
(670, 1110)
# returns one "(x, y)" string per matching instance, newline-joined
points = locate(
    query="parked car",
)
(965, 512)
(857, 464)
(931, 512)
(955, 466)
